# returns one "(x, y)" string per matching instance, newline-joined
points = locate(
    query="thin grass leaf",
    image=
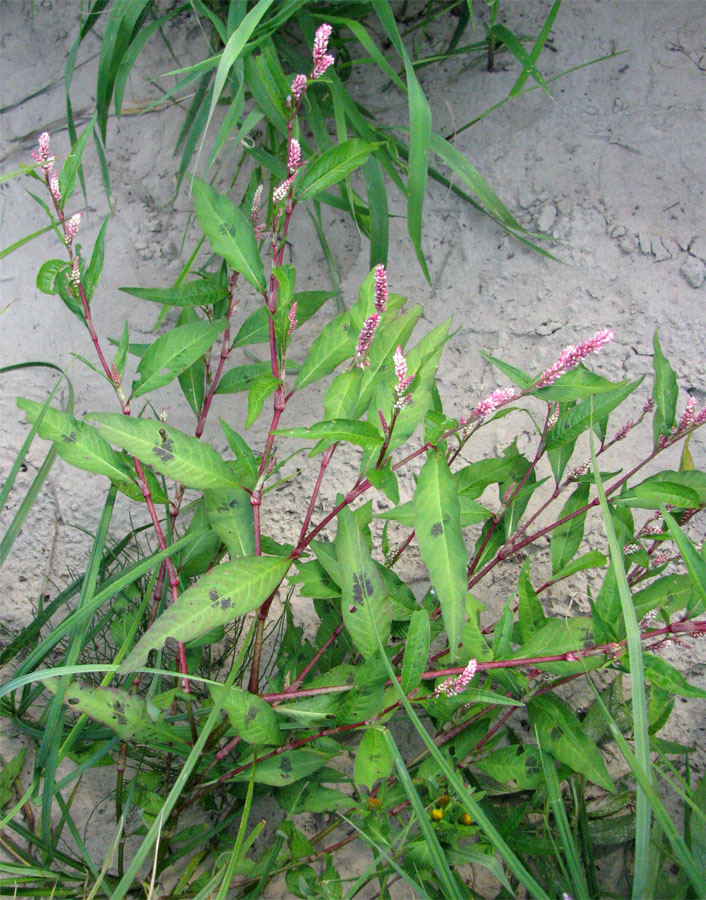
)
(231, 52)
(419, 140)
(637, 679)
(466, 798)
(571, 855)
(6, 251)
(441, 866)
(537, 49)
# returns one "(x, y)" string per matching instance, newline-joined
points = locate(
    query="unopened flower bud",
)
(292, 318)
(282, 190)
(365, 339)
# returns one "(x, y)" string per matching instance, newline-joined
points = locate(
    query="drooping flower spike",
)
(322, 59)
(572, 355)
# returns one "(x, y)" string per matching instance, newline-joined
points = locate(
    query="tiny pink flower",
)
(71, 227)
(380, 288)
(579, 470)
(299, 86)
(365, 339)
(454, 686)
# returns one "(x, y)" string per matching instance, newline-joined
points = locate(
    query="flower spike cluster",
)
(489, 405)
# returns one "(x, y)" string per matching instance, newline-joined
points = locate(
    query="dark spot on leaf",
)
(233, 504)
(555, 734)
(436, 529)
(226, 603)
(164, 452)
(213, 595)
(532, 766)
(225, 228)
(349, 678)
(285, 765)
(119, 713)
(362, 587)
(70, 438)
(73, 700)
(251, 714)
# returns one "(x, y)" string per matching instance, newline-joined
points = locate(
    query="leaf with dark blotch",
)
(373, 759)
(438, 525)
(77, 443)
(363, 594)
(252, 718)
(179, 456)
(227, 592)
(230, 515)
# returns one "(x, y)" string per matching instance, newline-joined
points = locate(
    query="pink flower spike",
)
(42, 152)
(299, 86)
(454, 686)
(365, 339)
(321, 38)
(687, 418)
(256, 204)
(324, 63)
(75, 272)
(383, 422)
(380, 289)
(294, 157)
(571, 356)
(292, 318)
(54, 188)
(71, 228)
(282, 190)
(492, 402)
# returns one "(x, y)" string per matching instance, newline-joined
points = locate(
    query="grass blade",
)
(637, 678)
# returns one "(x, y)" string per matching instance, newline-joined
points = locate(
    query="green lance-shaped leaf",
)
(566, 538)
(225, 593)
(562, 734)
(332, 166)
(518, 766)
(69, 171)
(77, 443)
(259, 391)
(229, 232)
(577, 419)
(287, 767)
(363, 595)
(48, 274)
(173, 353)
(373, 758)
(179, 456)
(440, 539)
(664, 393)
(252, 718)
(661, 673)
(330, 348)
(203, 292)
(127, 714)
(530, 612)
(416, 650)
(256, 328)
(92, 275)
(363, 434)
(562, 635)
(230, 515)
(242, 378)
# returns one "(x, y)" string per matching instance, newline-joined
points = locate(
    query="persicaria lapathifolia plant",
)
(241, 715)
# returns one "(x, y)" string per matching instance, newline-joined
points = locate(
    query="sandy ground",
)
(611, 170)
